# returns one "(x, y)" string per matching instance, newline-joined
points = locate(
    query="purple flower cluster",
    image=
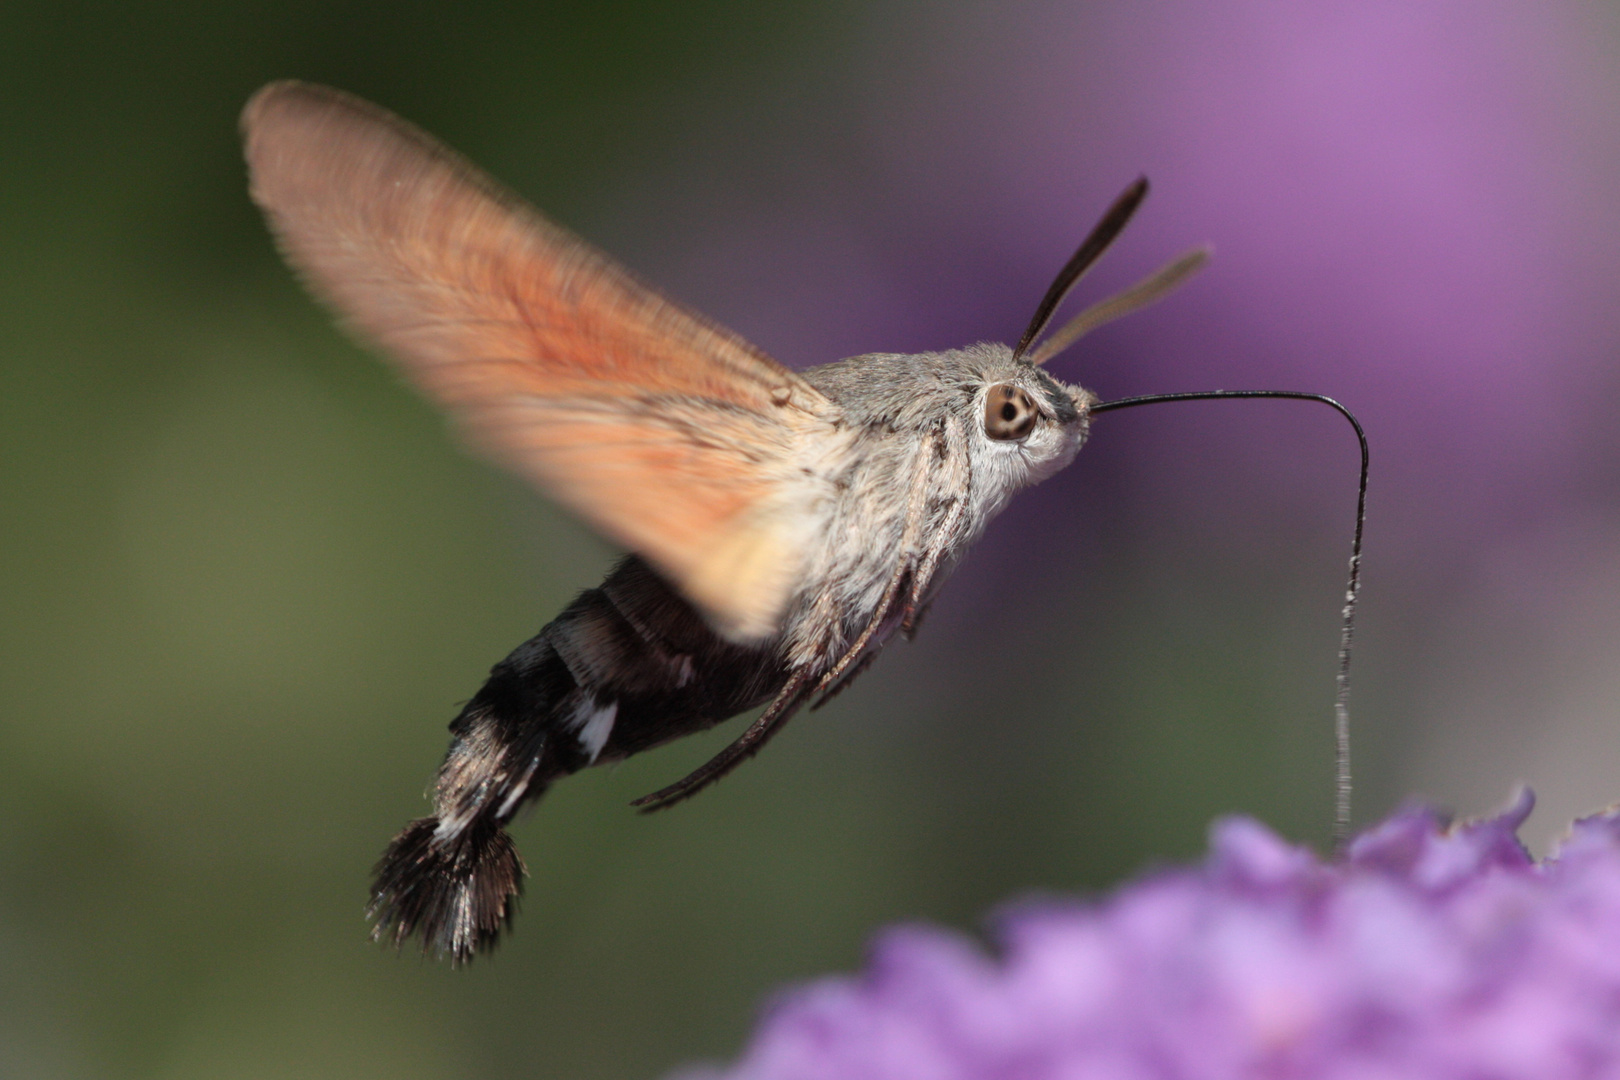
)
(1424, 952)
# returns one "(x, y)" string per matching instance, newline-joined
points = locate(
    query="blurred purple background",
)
(248, 575)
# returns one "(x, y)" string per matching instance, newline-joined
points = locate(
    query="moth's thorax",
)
(914, 476)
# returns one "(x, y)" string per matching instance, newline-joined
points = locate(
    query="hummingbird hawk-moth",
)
(781, 526)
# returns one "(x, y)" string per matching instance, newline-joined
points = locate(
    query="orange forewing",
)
(667, 432)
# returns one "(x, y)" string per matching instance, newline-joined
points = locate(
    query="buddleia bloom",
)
(1424, 951)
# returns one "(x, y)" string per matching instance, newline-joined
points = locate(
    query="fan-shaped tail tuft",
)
(456, 891)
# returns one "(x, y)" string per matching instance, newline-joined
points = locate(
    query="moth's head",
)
(1026, 421)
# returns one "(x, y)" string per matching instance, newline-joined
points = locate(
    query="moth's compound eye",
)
(1009, 412)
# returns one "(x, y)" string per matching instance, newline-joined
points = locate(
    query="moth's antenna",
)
(1149, 290)
(1105, 232)
(1341, 704)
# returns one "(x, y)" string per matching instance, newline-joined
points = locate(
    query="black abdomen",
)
(625, 667)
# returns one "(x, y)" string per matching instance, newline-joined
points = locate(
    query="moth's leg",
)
(840, 674)
(850, 676)
(856, 658)
(926, 568)
(776, 714)
(772, 720)
(958, 480)
(794, 694)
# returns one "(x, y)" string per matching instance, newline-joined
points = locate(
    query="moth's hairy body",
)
(783, 525)
(909, 485)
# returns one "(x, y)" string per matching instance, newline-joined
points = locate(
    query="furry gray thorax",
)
(919, 479)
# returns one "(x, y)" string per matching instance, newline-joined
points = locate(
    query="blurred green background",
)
(247, 577)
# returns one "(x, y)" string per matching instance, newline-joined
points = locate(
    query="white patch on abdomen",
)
(515, 795)
(683, 671)
(593, 724)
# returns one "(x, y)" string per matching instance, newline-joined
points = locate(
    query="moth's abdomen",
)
(625, 667)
